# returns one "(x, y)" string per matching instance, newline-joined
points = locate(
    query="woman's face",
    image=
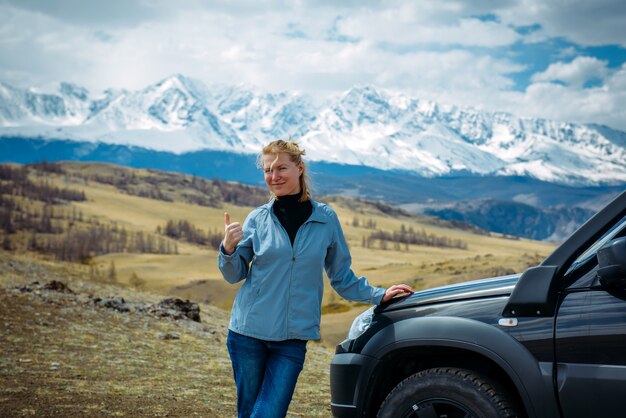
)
(282, 175)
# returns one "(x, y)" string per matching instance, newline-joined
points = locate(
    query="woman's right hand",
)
(233, 233)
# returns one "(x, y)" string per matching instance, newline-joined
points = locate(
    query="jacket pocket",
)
(252, 296)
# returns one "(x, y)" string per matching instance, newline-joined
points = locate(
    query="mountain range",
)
(365, 142)
(363, 126)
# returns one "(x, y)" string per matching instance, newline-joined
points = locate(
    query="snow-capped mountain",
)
(363, 126)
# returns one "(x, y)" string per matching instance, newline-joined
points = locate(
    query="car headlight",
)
(361, 323)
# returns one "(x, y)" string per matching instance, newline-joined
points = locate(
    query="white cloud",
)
(597, 22)
(413, 23)
(604, 104)
(575, 73)
(111, 14)
(435, 49)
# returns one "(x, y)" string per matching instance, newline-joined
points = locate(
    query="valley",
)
(191, 270)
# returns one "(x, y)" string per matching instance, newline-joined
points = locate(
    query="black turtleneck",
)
(291, 213)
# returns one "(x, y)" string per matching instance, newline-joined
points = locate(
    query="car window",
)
(589, 256)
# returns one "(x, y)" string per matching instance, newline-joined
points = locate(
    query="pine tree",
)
(136, 281)
(6, 243)
(112, 274)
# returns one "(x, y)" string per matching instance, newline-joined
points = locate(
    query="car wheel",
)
(446, 392)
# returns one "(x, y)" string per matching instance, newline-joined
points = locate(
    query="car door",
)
(590, 341)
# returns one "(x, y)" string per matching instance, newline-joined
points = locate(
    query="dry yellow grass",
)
(420, 266)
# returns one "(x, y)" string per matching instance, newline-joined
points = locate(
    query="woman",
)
(281, 252)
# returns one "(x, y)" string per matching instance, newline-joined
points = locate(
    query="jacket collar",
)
(318, 214)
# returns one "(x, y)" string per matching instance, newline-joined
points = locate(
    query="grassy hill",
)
(102, 230)
(143, 201)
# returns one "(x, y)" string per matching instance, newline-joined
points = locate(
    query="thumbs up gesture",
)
(233, 233)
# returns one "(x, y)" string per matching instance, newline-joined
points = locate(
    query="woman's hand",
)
(233, 233)
(395, 290)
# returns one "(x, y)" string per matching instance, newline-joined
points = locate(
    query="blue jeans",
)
(265, 374)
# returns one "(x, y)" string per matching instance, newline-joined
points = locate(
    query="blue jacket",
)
(281, 297)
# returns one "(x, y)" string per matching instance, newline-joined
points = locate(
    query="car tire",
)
(447, 392)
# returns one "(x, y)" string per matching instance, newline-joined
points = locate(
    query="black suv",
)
(550, 342)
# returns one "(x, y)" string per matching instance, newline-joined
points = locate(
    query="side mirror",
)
(612, 264)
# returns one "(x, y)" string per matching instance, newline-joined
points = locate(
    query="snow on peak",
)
(365, 125)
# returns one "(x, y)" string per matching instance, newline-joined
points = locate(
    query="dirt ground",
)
(62, 355)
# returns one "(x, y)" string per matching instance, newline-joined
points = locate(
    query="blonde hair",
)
(295, 153)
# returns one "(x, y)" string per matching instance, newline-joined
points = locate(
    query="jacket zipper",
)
(293, 262)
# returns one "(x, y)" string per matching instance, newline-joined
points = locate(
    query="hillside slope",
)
(63, 354)
(158, 231)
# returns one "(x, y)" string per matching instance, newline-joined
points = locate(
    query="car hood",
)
(476, 289)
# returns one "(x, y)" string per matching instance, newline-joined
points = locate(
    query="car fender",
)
(532, 379)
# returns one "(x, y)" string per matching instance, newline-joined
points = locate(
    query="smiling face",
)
(282, 175)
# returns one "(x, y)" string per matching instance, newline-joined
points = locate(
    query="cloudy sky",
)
(557, 59)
